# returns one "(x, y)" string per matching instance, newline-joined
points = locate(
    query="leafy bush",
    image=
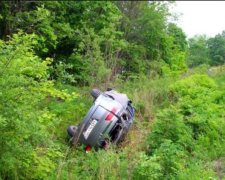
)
(190, 128)
(148, 168)
(169, 126)
(26, 124)
(197, 169)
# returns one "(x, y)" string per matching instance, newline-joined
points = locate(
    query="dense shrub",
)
(191, 128)
(26, 124)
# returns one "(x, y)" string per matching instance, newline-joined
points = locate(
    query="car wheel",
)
(119, 137)
(71, 130)
(95, 93)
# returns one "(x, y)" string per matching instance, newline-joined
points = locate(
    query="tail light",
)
(111, 114)
(88, 148)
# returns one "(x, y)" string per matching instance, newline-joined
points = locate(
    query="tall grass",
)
(117, 162)
(129, 160)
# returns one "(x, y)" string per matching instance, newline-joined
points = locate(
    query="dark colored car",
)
(107, 121)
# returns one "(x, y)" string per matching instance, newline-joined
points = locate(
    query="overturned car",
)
(107, 121)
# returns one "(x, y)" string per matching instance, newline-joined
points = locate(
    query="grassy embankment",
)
(162, 106)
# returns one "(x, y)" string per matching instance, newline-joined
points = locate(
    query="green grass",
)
(173, 152)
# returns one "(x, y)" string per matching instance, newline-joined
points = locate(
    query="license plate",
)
(90, 128)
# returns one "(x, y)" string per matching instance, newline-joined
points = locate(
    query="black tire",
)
(119, 137)
(95, 93)
(71, 130)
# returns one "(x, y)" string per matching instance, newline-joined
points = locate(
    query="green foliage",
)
(39, 22)
(123, 40)
(175, 61)
(192, 127)
(198, 52)
(147, 94)
(217, 49)
(88, 66)
(61, 70)
(203, 50)
(148, 168)
(26, 126)
(176, 65)
(152, 42)
(170, 126)
(196, 170)
(94, 165)
(179, 37)
(129, 45)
